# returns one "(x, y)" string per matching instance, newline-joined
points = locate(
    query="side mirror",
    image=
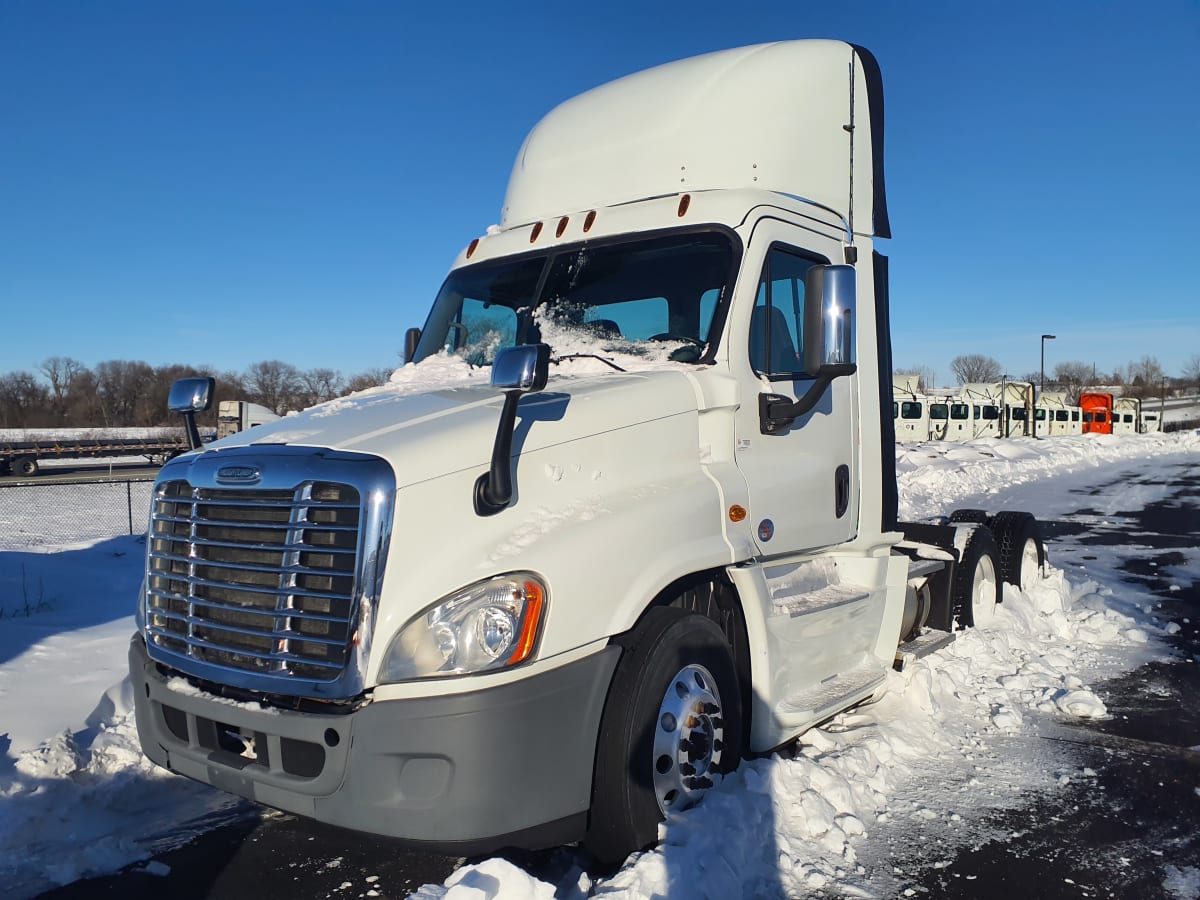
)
(412, 337)
(522, 368)
(829, 307)
(516, 371)
(189, 396)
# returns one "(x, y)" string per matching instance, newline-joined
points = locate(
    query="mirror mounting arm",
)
(518, 370)
(777, 413)
(494, 489)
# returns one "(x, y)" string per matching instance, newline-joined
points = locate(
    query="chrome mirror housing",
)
(829, 308)
(191, 395)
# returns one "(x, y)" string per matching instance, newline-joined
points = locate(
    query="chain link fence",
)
(57, 514)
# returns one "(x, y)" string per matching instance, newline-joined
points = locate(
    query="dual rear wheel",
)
(1002, 549)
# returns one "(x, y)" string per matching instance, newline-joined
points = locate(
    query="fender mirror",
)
(189, 396)
(516, 371)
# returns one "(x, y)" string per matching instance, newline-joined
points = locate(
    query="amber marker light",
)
(537, 230)
(471, 247)
(737, 513)
(562, 226)
(535, 602)
(684, 202)
(589, 220)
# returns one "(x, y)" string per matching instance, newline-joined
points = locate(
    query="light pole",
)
(1042, 386)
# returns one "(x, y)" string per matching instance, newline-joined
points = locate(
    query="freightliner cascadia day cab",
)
(652, 529)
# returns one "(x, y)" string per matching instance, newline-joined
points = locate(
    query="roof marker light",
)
(684, 202)
(562, 226)
(588, 220)
(537, 230)
(472, 247)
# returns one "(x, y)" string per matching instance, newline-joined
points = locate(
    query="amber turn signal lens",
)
(530, 622)
(737, 513)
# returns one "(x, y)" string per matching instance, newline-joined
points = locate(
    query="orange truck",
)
(1097, 413)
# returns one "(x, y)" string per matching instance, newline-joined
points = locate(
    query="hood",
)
(447, 429)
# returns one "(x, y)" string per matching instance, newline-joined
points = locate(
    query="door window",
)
(777, 323)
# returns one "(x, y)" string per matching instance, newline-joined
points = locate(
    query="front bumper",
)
(467, 773)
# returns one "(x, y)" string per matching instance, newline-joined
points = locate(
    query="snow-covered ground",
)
(934, 757)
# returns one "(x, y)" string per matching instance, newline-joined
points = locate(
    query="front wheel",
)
(672, 723)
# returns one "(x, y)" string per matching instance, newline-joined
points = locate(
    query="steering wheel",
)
(687, 354)
(682, 338)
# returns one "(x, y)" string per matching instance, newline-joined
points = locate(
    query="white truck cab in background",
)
(241, 415)
(557, 606)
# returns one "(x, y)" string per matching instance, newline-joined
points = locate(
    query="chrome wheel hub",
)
(689, 737)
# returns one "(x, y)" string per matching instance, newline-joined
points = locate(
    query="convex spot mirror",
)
(829, 308)
(191, 395)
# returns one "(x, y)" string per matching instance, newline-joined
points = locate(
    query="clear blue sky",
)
(221, 183)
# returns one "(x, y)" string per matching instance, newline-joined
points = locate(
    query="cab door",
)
(803, 480)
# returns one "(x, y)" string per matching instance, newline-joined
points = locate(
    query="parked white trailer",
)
(986, 408)
(1061, 417)
(910, 410)
(1126, 416)
(555, 607)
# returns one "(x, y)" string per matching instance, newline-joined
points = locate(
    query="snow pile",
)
(937, 752)
(936, 475)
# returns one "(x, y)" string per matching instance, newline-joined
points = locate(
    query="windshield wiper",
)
(607, 362)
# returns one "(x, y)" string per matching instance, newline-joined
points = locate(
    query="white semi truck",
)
(558, 606)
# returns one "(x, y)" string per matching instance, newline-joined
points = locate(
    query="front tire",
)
(672, 722)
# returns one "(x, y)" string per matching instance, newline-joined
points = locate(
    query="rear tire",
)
(673, 719)
(25, 466)
(976, 588)
(1021, 551)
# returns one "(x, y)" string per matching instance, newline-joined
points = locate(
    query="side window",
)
(959, 410)
(895, 410)
(1087, 417)
(1060, 415)
(939, 411)
(1075, 415)
(991, 412)
(1019, 413)
(776, 325)
(910, 410)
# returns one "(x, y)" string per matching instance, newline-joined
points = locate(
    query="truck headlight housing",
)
(488, 625)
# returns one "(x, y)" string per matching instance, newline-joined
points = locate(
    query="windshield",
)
(629, 298)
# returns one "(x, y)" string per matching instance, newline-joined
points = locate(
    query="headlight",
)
(488, 625)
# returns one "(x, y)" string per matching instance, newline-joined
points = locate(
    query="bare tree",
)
(368, 379)
(121, 387)
(1072, 378)
(975, 367)
(319, 385)
(274, 384)
(24, 401)
(60, 371)
(1144, 378)
(1191, 371)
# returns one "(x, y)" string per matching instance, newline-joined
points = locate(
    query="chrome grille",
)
(260, 581)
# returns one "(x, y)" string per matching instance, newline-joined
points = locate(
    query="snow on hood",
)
(440, 416)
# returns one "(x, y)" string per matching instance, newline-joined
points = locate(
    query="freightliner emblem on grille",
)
(240, 474)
